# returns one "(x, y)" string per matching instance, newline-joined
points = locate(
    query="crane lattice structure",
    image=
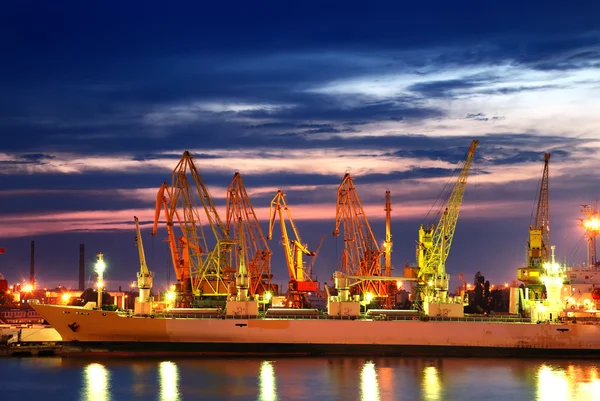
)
(539, 232)
(211, 274)
(434, 242)
(242, 225)
(361, 255)
(538, 244)
(300, 283)
(179, 250)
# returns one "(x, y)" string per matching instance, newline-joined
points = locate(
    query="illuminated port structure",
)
(591, 224)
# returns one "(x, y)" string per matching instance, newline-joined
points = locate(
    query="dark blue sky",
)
(99, 99)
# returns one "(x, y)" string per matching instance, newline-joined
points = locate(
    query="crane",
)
(300, 283)
(591, 225)
(143, 303)
(539, 240)
(387, 245)
(361, 255)
(179, 250)
(242, 224)
(434, 242)
(211, 274)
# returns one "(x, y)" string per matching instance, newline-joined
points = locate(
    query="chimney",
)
(32, 265)
(81, 267)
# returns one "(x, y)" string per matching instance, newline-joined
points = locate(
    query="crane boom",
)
(242, 224)
(361, 255)
(143, 303)
(300, 283)
(180, 264)
(539, 233)
(435, 242)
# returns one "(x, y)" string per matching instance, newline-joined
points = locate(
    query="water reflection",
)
(431, 383)
(268, 389)
(169, 381)
(573, 383)
(369, 387)
(97, 383)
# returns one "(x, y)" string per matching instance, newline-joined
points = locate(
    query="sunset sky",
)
(98, 102)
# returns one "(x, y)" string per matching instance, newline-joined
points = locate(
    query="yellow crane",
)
(435, 241)
(143, 303)
(300, 283)
(538, 252)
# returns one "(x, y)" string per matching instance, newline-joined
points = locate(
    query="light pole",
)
(100, 267)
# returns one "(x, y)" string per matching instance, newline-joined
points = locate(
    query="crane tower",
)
(538, 252)
(434, 244)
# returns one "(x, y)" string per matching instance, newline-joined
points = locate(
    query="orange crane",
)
(538, 251)
(242, 224)
(300, 283)
(361, 255)
(180, 255)
(211, 274)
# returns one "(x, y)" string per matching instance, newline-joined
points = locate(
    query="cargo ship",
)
(241, 329)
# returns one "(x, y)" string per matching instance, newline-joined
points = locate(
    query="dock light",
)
(369, 297)
(170, 296)
(28, 288)
(399, 284)
(268, 295)
(100, 267)
(65, 297)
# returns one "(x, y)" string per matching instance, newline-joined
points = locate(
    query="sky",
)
(99, 101)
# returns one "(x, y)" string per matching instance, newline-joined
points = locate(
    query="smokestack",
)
(32, 265)
(81, 267)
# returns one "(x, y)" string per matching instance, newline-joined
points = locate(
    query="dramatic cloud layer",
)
(98, 103)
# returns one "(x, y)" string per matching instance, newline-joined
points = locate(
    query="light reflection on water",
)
(369, 387)
(379, 379)
(268, 389)
(97, 383)
(169, 381)
(431, 384)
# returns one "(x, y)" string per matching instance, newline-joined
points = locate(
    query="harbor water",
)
(371, 379)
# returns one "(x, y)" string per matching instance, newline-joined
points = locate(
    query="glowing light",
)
(369, 387)
(399, 284)
(552, 384)
(170, 296)
(132, 285)
(593, 224)
(96, 382)
(65, 297)
(169, 381)
(28, 288)
(505, 285)
(100, 266)
(430, 283)
(431, 384)
(268, 295)
(100, 284)
(267, 384)
(368, 297)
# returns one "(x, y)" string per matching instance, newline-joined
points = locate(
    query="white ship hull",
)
(85, 330)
